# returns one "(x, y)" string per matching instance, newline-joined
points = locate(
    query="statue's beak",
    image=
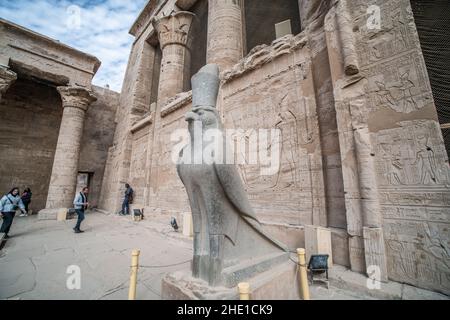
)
(191, 116)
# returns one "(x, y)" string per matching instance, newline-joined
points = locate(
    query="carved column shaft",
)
(225, 43)
(175, 40)
(7, 77)
(63, 180)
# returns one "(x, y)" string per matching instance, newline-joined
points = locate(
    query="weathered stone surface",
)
(225, 43)
(22, 46)
(7, 77)
(49, 134)
(75, 101)
(175, 39)
(362, 144)
(278, 283)
(388, 120)
(318, 241)
(39, 109)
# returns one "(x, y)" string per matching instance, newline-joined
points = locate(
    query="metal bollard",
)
(134, 270)
(304, 287)
(244, 291)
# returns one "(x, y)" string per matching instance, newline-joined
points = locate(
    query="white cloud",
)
(97, 27)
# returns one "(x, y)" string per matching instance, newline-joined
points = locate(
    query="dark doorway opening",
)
(265, 18)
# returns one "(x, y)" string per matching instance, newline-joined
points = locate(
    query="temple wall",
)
(97, 138)
(30, 118)
(362, 151)
(167, 194)
(388, 126)
(280, 95)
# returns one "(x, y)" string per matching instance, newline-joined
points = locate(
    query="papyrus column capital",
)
(76, 97)
(174, 29)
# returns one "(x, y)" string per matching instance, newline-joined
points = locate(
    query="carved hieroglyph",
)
(279, 95)
(387, 123)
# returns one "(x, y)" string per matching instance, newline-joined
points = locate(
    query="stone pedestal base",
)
(278, 283)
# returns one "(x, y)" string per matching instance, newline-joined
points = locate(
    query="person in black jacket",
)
(128, 199)
(26, 200)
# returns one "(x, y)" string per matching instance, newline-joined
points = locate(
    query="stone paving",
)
(34, 261)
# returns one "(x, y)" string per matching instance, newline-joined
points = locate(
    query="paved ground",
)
(34, 261)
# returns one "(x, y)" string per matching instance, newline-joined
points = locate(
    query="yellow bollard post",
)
(304, 287)
(244, 291)
(134, 270)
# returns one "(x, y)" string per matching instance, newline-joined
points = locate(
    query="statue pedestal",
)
(278, 283)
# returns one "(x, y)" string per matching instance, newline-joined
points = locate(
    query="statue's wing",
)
(234, 190)
(232, 185)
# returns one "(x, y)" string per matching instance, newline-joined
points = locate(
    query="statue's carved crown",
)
(205, 86)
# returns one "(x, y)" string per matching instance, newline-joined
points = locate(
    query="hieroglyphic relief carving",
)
(409, 155)
(419, 253)
(274, 98)
(395, 36)
(398, 84)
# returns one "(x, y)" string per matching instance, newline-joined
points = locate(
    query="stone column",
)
(75, 101)
(225, 37)
(175, 41)
(7, 77)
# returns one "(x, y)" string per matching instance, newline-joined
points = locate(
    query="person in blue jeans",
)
(80, 204)
(9, 203)
(127, 199)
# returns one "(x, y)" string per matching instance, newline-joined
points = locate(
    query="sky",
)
(97, 27)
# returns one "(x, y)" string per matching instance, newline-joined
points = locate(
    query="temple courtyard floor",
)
(42, 257)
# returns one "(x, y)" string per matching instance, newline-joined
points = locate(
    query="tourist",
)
(81, 204)
(128, 199)
(8, 206)
(26, 199)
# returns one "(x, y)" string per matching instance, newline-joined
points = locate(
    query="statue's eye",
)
(200, 113)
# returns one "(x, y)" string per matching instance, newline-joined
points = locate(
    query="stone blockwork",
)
(396, 173)
(98, 136)
(48, 123)
(30, 118)
(362, 153)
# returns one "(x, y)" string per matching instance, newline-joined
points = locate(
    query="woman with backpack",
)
(26, 199)
(9, 203)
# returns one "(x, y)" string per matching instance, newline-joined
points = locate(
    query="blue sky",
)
(97, 27)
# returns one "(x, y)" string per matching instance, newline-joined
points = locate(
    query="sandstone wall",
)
(138, 91)
(395, 167)
(280, 94)
(362, 152)
(99, 128)
(30, 118)
(134, 103)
